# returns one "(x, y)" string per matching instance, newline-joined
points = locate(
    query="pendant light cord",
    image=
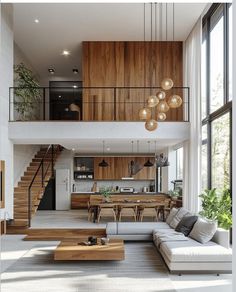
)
(173, 21)
(166, 21)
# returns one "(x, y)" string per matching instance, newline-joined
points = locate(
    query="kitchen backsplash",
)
(86, 186)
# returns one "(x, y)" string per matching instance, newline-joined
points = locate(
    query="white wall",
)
(6, 81)
(23, 155)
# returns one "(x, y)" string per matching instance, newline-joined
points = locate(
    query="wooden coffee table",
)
(74, 251)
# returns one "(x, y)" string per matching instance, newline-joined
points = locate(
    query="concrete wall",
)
(6, 81)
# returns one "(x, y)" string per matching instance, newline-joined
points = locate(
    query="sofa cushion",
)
(140, 227)
(203, 230)
(186, 224)
(173, 212)
(178, 216)
(193, 251)
(163, 235)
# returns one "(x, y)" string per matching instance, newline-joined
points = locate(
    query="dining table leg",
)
(95, 214)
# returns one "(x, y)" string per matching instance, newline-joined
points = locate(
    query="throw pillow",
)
(203, 230)
(173, 212)
(186, 224)
(179, 215)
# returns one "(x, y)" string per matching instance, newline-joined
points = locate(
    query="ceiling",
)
(120, 146)
(65, 26)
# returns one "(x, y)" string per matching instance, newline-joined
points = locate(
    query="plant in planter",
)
(27, 92)
(106, 193)
(175, 194)
(217, 206)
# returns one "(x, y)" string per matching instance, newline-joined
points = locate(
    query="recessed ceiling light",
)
(51, 70)
(36, 20)
(75, 71)
(108, 148)
(65, 53)
(75, 86)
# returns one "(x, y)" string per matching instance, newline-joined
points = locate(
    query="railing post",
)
(44, 109)
(52, 161)
(42, 174)
(29, 207)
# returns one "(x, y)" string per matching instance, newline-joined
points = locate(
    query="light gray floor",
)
(28, 267)
(64, 219)
(67, 219)
(36, 271)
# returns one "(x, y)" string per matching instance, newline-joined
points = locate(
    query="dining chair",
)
(127, 210)
(148, 210)
(106, 210)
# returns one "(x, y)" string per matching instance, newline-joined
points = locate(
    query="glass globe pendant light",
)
(152, 101)
(161, 95)
(145, 113)
(163, 106)
(175, 101)
(161, 116)
(151, 125)
(167, 83)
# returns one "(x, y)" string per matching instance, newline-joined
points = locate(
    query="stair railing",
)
(43, 167)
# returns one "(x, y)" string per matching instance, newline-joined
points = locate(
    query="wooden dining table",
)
(94, 204)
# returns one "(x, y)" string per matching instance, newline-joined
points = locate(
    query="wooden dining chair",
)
(106, 210)
(127, 210)
(148, 210)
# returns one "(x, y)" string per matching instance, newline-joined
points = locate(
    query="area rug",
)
(142, 270)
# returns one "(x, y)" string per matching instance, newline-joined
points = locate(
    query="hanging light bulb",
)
(161, 116)
(152, 101)
(161, 94)
(148, 163)
(151, 125)
(175, 101)
(103, 163)
(163, 106)
(167, 83)
(145, 113)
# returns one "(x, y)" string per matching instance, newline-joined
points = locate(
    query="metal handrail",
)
(41, 164)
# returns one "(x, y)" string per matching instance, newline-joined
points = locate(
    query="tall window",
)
(217, 97)
(179, 163)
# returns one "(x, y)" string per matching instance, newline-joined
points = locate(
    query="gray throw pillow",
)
(173, 212)
(179, 215)
(186, 224)
(203, 230)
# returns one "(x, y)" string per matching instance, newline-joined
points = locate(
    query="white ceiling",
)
(65, 26)
(119, 146)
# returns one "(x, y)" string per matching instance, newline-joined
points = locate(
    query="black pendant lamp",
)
(148, 163)
(103, 163)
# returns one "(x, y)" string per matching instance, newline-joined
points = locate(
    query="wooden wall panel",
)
(127, 64)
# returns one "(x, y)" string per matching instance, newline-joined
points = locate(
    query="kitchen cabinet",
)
(119, 167)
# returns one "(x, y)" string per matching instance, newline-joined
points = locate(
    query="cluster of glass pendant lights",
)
(163, 104)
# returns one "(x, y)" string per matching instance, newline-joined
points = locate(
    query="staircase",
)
(34, 181)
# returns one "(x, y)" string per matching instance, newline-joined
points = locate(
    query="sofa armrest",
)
(221, 237)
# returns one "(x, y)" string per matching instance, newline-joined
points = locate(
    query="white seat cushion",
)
(167, 235)
(193, 251)
(140, 227)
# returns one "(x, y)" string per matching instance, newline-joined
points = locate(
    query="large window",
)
(216, 97)
(179, 163)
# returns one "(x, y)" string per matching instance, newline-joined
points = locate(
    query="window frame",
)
(221, 9)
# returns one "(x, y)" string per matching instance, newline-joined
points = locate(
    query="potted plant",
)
(175, 194)
(27, 93)
(106, 193)
(217, 206)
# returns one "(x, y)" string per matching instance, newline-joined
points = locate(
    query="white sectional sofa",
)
(181, 254)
